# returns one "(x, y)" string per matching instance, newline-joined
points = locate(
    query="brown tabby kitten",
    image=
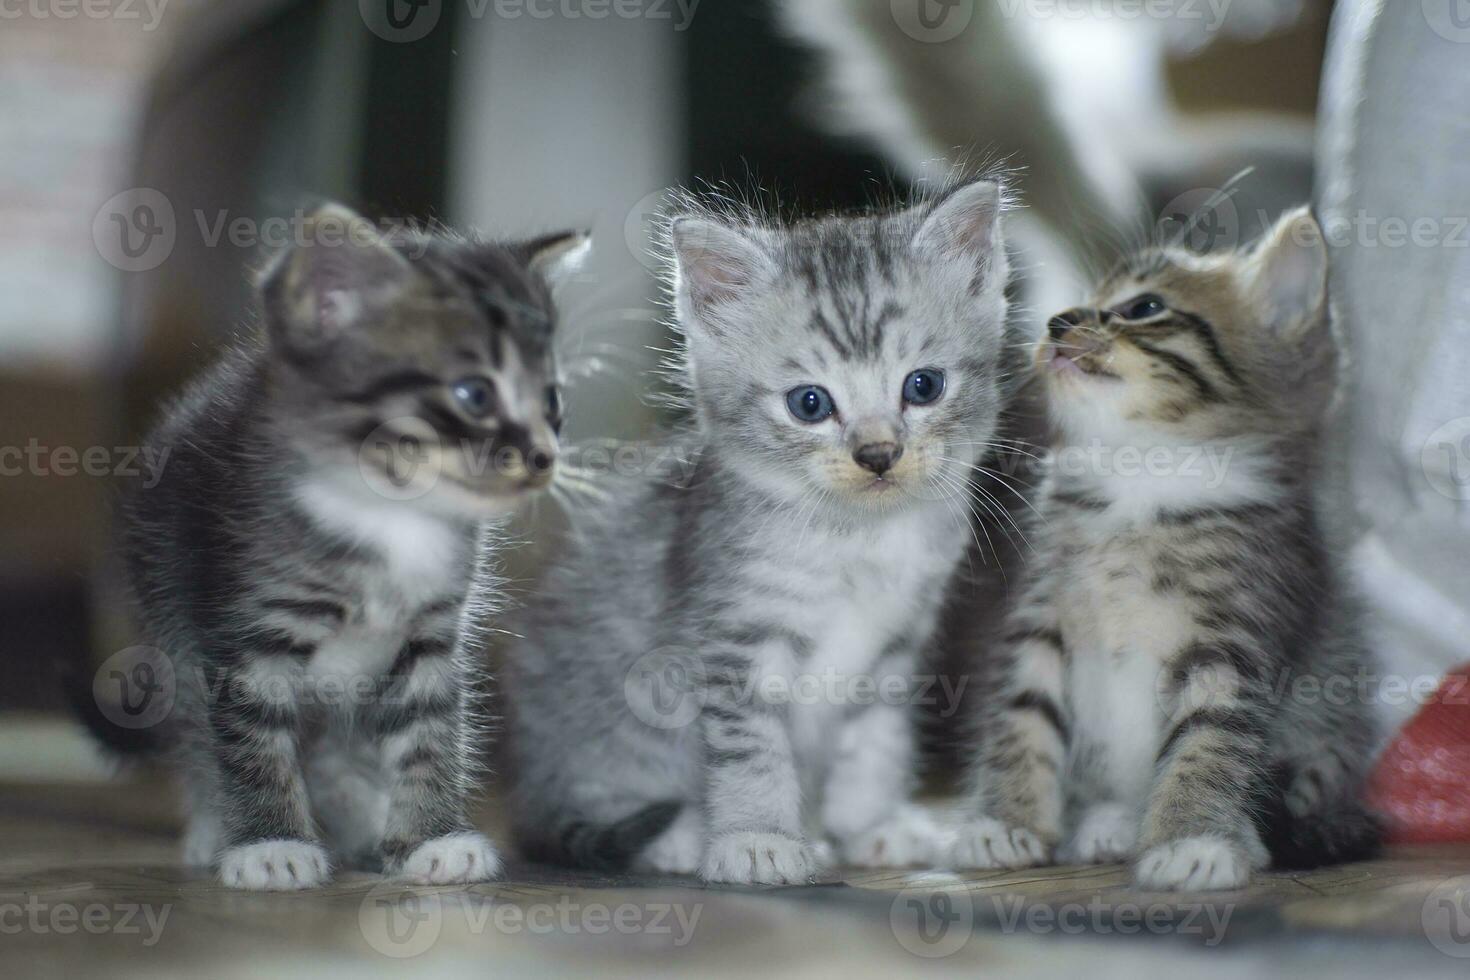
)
(1165, 691)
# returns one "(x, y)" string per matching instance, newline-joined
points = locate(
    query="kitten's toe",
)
(454, 859)
(275, 865)
(758, 859)
(987, 843)
(1108, 834)
(1194, 864)
(908, 838)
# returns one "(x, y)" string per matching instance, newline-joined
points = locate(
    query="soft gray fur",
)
(663, 706)
(320, 535)
(1182, 680)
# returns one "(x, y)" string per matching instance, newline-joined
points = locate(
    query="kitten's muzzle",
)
(532, 465)
(878, 457)
(1072, 336)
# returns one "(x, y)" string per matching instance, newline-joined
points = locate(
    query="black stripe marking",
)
(1037, 634)
(310, 608)
(1206, 334)
(395, 383)
(1043, 705)
(280, 644)
(1183, 366)
(1199, 656)
(1079, 501)
(446, 422)
(822, 326)
(1233, 721)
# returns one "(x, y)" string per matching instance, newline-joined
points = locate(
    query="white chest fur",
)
(421, 556)
(880, 585)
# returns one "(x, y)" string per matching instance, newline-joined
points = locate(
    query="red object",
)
(1422, 782)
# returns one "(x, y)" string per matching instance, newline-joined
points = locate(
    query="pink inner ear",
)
(716, 262)
(336, 284)
(336, 308)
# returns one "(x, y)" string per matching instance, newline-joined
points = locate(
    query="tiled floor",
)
(89, 886)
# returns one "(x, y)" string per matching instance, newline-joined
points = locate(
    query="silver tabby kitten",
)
(1177, 686)
(308, 554)
(701, 684)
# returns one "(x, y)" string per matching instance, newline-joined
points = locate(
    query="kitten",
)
(697, 690)
(1177, 682)
(320, 532)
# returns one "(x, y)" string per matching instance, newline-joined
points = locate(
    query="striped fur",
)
(319, 538)
(647, 695)
(1179, 682)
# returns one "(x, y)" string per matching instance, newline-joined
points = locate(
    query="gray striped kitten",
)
(701, 683)
(320, 534)
(1177, 686)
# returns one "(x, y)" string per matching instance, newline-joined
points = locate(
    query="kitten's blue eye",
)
(1143, 307)
(553, 408)
(475, 396)
(923, 386)
(810, 404)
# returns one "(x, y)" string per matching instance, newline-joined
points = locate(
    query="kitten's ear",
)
(341, 275)
(559, 256)
(715, 263)
(1288, 274)
(965, 225)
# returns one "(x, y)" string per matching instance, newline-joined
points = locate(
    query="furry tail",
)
(1330, 834)
(600, 847)
(130, 743)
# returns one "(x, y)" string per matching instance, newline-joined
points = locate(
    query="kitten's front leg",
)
(1198, 832)
(270, 843)
(866, 801)
(1016, 788)
(753, 793)
(423, 728)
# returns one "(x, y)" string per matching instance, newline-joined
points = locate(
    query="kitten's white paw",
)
(911, 836)
(758, 859)
(454, 859)
(275, 866)
(1194, 864)
(1108, 834)
(679, 849)
(988, 843)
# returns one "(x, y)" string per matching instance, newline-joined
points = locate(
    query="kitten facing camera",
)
(321, 532)
(1181, 680)
(698, 685)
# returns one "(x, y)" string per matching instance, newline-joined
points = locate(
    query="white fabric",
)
(1395, 150)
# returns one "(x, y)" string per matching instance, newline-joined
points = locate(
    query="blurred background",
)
(151, 156)
(153, 152)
